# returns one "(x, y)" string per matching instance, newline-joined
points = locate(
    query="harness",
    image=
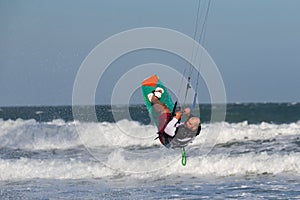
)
(182, 136)
(164, 119)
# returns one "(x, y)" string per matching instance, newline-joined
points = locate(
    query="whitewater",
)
(105, 157)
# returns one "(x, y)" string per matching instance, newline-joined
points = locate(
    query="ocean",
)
(46, 154)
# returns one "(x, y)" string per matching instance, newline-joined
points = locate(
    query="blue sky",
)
(255, 44)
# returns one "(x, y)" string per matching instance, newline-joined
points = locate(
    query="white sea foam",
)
(59, 134)
(25, 168)
(213, 165)
(128, 147)
(244, 131)
(29, 134)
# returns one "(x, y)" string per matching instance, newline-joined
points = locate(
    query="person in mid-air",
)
(171, 131)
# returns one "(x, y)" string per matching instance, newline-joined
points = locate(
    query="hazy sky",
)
(255, 44)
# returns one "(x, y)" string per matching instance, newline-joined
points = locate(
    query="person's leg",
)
(163, 112)
(159, 106)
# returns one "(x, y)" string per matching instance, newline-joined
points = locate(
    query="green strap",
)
(183, 158)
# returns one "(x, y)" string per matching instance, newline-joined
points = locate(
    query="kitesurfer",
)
(172, 132)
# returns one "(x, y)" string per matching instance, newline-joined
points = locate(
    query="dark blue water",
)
(252, 112)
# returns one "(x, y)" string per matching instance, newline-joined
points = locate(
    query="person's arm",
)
(187, 112)
(171, 126)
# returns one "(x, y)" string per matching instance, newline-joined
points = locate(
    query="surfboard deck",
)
(150, 84)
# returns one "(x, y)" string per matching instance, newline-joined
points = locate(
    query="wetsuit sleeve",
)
(171, 127)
